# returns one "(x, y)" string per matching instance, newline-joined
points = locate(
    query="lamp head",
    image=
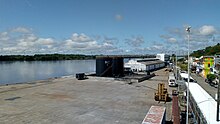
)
(188, 29)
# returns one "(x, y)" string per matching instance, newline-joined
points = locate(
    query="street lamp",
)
(187, 104)
(176, 68)
(218, 97)
(176, 62)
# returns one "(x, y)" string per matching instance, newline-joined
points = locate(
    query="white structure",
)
(135, 66)
(217, 59)
(202, 104)
(150, 64)
(184, 77)
(163, 57)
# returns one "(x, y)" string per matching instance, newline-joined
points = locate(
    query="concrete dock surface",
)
(67, 100)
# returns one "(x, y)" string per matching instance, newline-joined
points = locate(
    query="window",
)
(171, 80)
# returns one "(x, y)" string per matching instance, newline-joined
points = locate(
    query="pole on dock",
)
(176, 67)
(218, 93)
(187, 102)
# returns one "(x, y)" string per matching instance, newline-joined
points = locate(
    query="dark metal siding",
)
(118, 67)
(102, 66)
(109, 66)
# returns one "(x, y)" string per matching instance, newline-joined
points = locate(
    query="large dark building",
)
(109, 66)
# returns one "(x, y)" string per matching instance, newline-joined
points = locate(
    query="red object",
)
(175, 110)
(156, 115)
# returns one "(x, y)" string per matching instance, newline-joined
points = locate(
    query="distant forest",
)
(45, 57)
(208, 51)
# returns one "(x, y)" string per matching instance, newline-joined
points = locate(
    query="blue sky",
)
(106, 26)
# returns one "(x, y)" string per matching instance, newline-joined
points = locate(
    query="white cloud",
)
(9, 49)
(46, 42)
(127, 51)
(4, 36)
(25, 44)
(81, 42)
(107, 44)
(172, 40)
(118, 17)
(168, 38)
(21, 30)
(25, 40)
(111, 40)
(80, 38)
(207, 30)
(22, 40)
(200, 37)
(154, 48)
(135, 41)
(86, 44)
(157, 47)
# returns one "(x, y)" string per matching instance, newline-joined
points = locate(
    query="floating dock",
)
(71, 101)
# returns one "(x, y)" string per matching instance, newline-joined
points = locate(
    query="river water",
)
(26, 71)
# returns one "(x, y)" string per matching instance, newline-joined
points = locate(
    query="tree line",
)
(45, 57)
(208, 51)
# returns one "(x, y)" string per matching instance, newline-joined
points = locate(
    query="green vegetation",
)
(183, 66)
(45, 57)
(208, 51)
(211, 77)
(181, 60)
(173, 58)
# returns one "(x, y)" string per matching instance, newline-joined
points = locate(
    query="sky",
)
(111, 27)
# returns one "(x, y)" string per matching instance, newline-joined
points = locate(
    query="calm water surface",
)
(25, 71)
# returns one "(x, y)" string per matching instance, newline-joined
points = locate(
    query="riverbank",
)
(46, 57)
(68, 100)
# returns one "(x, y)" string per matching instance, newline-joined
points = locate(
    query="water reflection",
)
(16, 72)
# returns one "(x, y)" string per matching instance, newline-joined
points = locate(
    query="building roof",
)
(205, 102)
(152, 62)
(208, 56)
(147, 59)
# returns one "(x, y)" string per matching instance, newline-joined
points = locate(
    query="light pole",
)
(187, 103)
(177, 70)
(176, 64)
(218, 97)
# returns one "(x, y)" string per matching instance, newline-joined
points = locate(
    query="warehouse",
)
(145, 64)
